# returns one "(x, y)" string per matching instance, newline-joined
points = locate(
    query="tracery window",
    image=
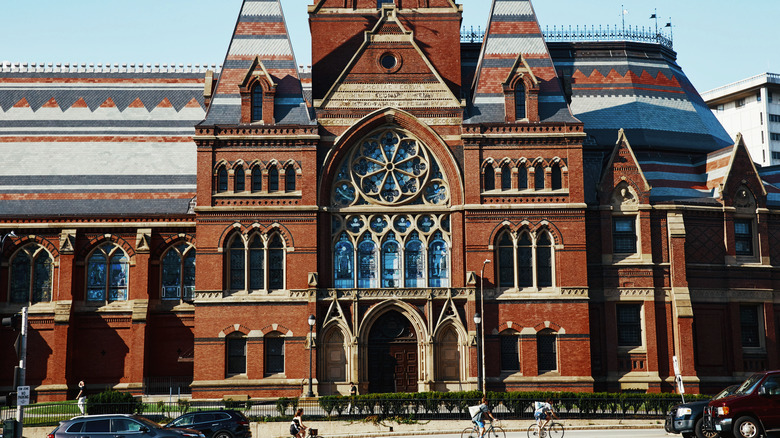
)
(178, 272)
(368, 248)
(31, 275)
(259, 262)
(525, 261)
(108, 270)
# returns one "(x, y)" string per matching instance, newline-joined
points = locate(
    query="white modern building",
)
(751, 107)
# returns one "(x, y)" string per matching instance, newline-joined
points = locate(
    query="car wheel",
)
(222, 434)
(747, 427)
(701, 433)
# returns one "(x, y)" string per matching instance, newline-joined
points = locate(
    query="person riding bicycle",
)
(543, 411)
(479, 418)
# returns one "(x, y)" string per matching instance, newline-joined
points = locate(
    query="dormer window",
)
(257, 103)
(520, 100)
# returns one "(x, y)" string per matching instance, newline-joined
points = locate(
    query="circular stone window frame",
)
(399, 61)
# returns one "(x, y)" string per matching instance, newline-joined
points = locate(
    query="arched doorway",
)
(392, 354)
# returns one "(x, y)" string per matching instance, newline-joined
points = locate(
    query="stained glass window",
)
(236, 255)
(344, 263)
(506, 261)
(256, 263)
(107, 274)
(240, 180)
(544, 261)
(525, 267)
(414, 262)
(178, 272)
(367, 263)
(20, 278)
(391, 262)
(437, 262)
(276, 263)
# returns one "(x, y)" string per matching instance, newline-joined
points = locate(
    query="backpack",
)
(294, 428)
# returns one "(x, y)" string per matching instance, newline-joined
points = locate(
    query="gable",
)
(389, 70)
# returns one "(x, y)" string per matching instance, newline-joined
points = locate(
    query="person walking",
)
(352, 394)
(81, 397)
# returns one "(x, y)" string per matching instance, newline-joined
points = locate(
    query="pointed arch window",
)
(525, 261)
(240, 182)
(391, 262)
(222, 179)
(256, 263)
(546, 351)
(437, 261)
(344, 263)
(257, 179)
(489, 178)
(276, 263)
(257, 103)
(539, 177)
(273, 179)
(522, 178)
(506, 260)
(335, 357)
(261, 263)
(415, 262)
(237, 256)
(367, 263)
(178, 272)
(108, 270)
(556, 177)
(31, 275)
(289, 179)
(520, 100)
(506, 177)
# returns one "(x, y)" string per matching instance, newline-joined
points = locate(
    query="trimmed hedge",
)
(519, 404)
(113, 402)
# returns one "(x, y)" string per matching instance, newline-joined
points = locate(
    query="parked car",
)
(118, 425)
(751, 411)
(215, 424)
(688, 418)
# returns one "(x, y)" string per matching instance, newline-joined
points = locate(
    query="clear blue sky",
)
(717, 41)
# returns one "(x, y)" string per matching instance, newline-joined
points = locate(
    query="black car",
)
(116, 425)
(215, 424)
(687, 418)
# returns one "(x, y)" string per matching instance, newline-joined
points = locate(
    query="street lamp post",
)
(312, 320)
(477, 321)
(482, 312)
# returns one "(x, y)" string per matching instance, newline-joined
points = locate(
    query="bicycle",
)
(553, 429)
(491, 431)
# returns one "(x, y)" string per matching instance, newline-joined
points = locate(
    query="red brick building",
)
(176, 226)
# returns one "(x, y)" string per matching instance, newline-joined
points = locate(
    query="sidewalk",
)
(356, 429)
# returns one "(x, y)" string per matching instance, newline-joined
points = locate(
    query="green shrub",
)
(284, 402)
(113, 402)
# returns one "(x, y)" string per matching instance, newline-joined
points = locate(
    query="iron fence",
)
(344, 408)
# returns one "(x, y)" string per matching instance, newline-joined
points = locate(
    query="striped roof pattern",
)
(260, 33)
(97, 144)
(513, 30)
(675, 176)
(643, 91)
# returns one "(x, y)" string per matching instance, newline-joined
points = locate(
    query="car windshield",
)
(749, 385)
(148, 423)
(726, 392)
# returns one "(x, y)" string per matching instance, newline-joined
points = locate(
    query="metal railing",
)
(49, 414)
(585, 33)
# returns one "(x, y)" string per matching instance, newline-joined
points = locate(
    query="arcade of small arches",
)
(256, 177)
(523, 174)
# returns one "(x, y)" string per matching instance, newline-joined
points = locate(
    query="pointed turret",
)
(260, 46)
(514, 46)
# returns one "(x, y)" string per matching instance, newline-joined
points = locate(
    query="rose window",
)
(390, 167)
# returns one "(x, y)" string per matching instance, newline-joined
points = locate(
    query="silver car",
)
(118, 426)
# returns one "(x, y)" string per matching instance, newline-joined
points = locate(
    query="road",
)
(595, 433)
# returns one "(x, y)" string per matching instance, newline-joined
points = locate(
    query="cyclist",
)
(479, 418)
(543, 411)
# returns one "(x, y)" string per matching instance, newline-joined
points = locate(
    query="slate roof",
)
(640, 88)
(100, 142)
(513, 30)
(675, 176)
(260, 33)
